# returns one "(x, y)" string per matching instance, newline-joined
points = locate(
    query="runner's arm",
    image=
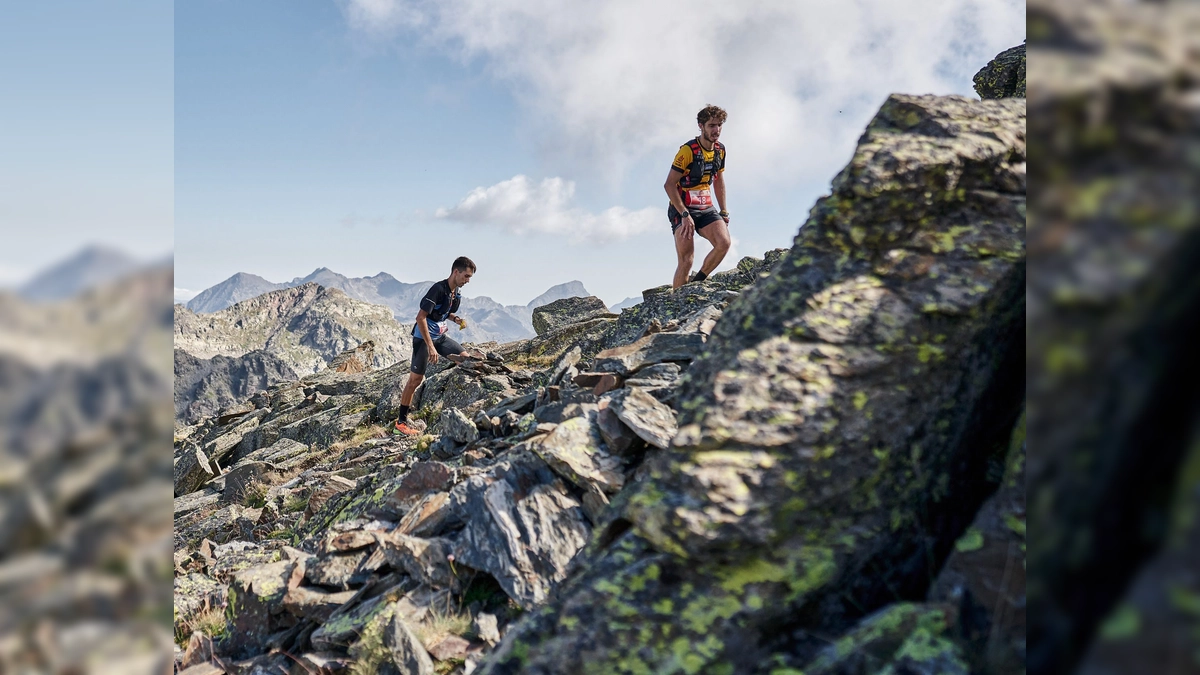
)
(719, 189)
(672, 188)
(423, 326)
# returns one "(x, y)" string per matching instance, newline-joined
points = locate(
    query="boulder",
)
(1003, 76)
(457, 426)
(652, 421)
(568, 311)
(523, 528)
(575, 450)
(652, 349)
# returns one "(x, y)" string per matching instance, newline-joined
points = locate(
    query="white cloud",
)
(183, 294)
(621, 81)
(520, 206)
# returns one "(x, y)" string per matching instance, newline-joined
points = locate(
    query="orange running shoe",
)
(402, 428)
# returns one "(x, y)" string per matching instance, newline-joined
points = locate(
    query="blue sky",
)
(348, 133)
(85, 130)
(380, 135)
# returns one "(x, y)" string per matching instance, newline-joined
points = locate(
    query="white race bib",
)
(697, 200)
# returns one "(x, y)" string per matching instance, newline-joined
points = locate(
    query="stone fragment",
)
(457, 426)
(255, 597)
(425, 560)
(564, 363)
(450, 647)
(241, 478)
(517, 404)
(309, 602)
(652, 421)
(566, 311)
(616, 435)
(408, 654)
(330, 486)
(576, 452)
(429, 516)
(486, 628)
(522, 526)
(655, 348)
(191, 469)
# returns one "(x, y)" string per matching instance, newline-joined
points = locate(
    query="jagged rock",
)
(429, 516)
(796, 496)
(425, 560)
(486, 628)
(233, 412)
(457, 426)
(307, 602)
(568, 311)
(408, 655)
(522, 527)
(241, 477)
(347, 624)
(199, 650)
(203, 669)
(451, 388)
(190, 503)
(339, 570)
(446, 448)
(449, 647)
(652, 349)
(357, 360)
(903, 638)
(228, 559)
(666, 305)
(652, 421)
(421, 479)
(326, 488)
(191, 469)
(588, 335)
(255, 599)
(1003, 76)
(618, 437)
(283, 454)
(516, 404)
(220, 526)
(576, 452)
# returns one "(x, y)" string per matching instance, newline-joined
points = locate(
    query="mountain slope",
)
(305, 327)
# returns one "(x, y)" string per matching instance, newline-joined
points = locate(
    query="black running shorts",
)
(700, 218)
(420, 358)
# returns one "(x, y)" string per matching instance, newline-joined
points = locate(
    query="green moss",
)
(972, 540)
(1125, 622)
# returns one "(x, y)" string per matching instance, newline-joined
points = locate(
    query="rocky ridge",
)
(303, 327)
(724, 478)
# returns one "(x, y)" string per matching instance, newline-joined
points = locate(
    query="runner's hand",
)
(462, 323)
(433, 357)
(688, 227)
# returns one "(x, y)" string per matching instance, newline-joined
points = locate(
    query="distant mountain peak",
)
(90, 266)
(570, 289)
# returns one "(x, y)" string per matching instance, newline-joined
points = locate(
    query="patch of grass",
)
(423, 442)
(295, 503)
(212, 622)
(360, 436)
(254, 496)
(438, 625)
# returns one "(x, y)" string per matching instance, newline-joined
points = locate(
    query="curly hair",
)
(710, 112)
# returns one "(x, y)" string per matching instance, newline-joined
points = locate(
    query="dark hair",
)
(711, 112)
(462, 263)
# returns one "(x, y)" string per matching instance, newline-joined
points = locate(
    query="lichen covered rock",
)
(838, 431)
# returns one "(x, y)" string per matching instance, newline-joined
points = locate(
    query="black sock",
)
(403, 417)
(699, 276)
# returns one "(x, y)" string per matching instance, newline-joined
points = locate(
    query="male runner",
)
(699, 164)
(439, 304)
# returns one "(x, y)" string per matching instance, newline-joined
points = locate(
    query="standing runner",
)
(699, 165)
(439, 304)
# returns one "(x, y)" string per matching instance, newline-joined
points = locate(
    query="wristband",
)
(724, 214)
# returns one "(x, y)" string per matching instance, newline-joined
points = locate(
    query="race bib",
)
(697, 200)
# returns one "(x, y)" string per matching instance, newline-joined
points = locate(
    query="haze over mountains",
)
(487, 319)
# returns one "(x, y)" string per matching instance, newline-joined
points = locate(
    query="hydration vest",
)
(697, 168)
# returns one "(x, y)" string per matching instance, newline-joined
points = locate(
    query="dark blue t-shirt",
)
(438, 303)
